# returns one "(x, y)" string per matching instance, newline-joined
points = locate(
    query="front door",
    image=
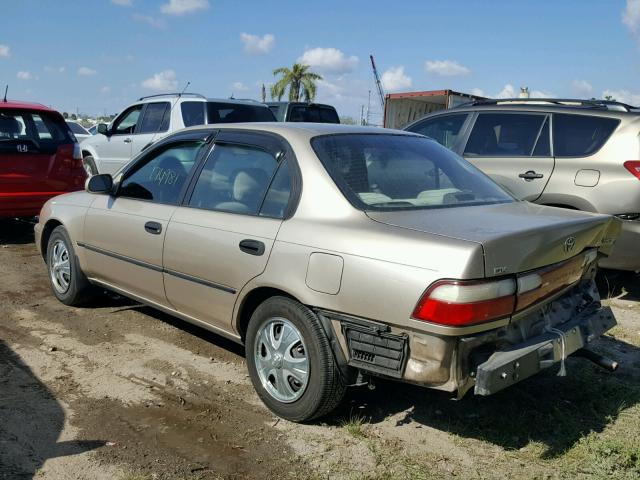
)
(221, 238)
(513, 149)
(124, 234)
(116, 149)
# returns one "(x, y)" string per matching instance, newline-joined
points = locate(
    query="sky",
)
(98, 56)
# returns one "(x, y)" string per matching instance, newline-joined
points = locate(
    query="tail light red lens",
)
(459, 303)
(634, 167)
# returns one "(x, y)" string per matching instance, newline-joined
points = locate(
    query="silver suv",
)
(154, 117)
(577, 154)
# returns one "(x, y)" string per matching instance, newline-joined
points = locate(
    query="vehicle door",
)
(29, 143)
(153, 125)
(514, 149)
(222, 236)
(448, 130)
(124, 232)
(115, 149)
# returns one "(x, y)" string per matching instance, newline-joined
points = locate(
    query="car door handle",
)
(127, 140)
(153, 227)
(530, 175)
(252, 247)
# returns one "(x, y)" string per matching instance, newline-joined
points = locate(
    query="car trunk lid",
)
(515, 237)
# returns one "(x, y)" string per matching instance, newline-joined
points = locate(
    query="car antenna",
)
(6, 89)
(165, 113)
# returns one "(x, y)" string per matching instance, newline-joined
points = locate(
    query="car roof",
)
(17, 105)
(300, 129)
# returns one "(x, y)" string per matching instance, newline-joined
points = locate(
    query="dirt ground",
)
(121, 391)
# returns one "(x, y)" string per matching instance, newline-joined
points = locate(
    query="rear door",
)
(29, 141)
(222, 236)
(153, 125)
(514, 149)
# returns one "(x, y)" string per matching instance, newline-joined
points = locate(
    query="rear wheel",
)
(290, 362)
(68, 283)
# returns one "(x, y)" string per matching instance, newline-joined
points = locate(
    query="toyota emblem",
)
(569, 244)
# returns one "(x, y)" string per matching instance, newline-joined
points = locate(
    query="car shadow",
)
(31, 420)
(618, 284)
(553, 411)
(16, 231)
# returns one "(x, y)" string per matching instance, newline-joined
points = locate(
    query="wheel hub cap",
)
(60, 267)
(281, 360)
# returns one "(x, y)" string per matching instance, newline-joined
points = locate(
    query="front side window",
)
(580, 135)
(161, 175)
(505, 135)
(396, 172)
(443, 129)
(126, 124)
(235, 179)
(155, 118)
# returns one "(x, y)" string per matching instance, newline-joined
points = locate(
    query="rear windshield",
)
(401, 172)
(313, 113)
(193, 113)
(38, 130)
(580, 135)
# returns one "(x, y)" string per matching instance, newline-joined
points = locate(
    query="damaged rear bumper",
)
(518, 362)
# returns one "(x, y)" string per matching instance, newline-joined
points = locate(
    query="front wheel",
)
(290, 361)
(89, 165)
(68, 282)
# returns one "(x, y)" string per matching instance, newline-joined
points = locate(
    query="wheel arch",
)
(251, 301)
(48, 228)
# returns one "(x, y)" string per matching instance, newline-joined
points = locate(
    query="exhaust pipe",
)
(600, 360)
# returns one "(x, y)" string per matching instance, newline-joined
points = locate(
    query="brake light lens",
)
(458, 303)
(634, 167)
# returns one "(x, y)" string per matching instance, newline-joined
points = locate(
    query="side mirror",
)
(103, 129)
(101, 183)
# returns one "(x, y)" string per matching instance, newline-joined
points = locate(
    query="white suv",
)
(154, 117)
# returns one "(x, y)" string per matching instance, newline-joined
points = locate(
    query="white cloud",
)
(509, 91)
(624, 96)
(182, 7)
(86, 71)
(257, 45)
(122, 3)
(5, 51)
(582, 88)
(23, 75)
(149, 20)
(330, 60)
(50, 69)
(395, 79)
(445, 68)
(631, 16)
(239, 87)
(478, 92)
(165, 80)
(105, 89)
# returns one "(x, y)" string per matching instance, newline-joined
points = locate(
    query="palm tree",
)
(299, 79)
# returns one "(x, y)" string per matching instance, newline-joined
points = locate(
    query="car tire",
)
(89, 165)
(275, 368)
(68, 282)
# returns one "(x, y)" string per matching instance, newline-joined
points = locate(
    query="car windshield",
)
(219, 112)
(313, 113)
(394, 172)
(77, 128)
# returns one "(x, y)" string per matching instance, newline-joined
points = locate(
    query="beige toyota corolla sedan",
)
(337, 254)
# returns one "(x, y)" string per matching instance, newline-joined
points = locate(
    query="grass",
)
(354, 426)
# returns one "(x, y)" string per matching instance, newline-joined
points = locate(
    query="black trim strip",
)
(156, 268)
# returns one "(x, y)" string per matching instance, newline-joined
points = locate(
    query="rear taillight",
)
(458, 303)
(634, 167)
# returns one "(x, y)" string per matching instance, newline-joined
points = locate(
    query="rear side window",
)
(506, 135)
(234, 179)
(443, 129)
(218, 112)
(580, 135)
(160, 176)
(155, 118)
(192, 113)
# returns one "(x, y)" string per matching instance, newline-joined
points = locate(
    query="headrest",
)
(248, 184)
(9, 125)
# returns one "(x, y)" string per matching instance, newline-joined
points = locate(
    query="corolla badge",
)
(569, 244)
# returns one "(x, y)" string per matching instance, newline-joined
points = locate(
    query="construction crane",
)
(378, 83)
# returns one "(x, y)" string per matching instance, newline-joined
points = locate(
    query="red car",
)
(39, 158)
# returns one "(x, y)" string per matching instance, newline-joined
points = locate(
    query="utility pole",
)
(264, 93)
(369, 109)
